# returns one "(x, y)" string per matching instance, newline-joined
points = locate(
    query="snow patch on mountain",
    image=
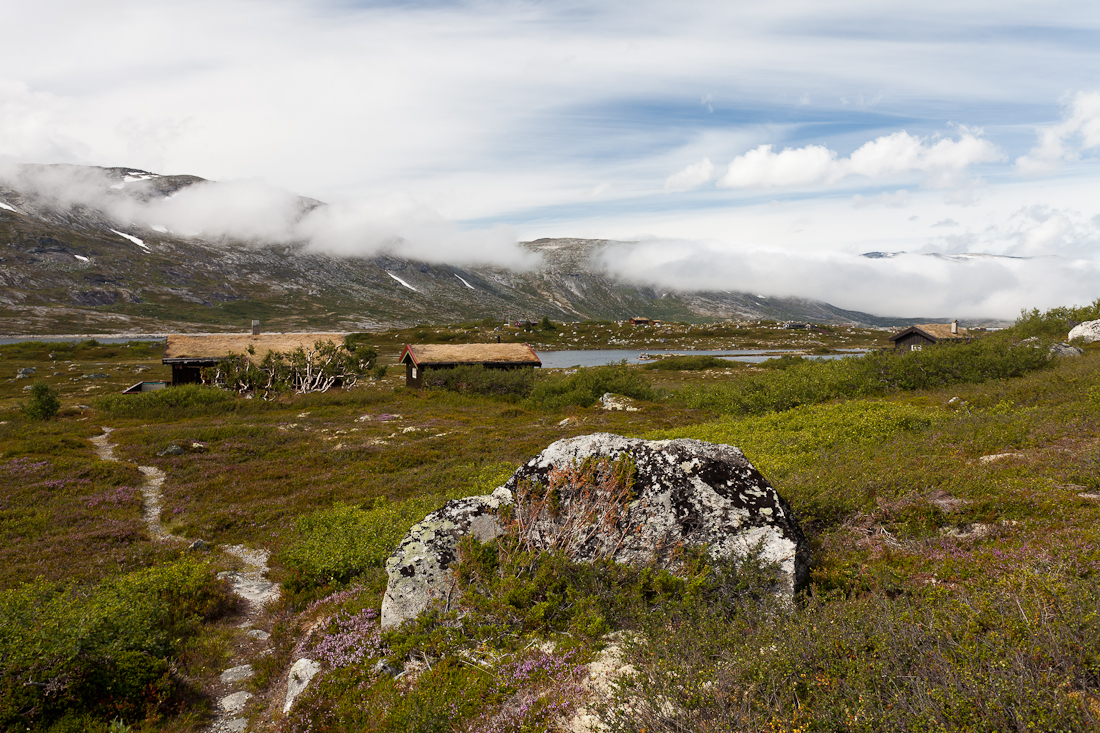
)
(471, 287)
(395, 277)
(133, 239)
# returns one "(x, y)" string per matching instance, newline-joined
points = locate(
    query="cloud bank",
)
(252, 212)
(941, 160)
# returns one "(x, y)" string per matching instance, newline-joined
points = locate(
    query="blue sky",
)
(728, 138)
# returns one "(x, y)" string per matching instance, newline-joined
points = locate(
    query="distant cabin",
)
(419, 358)
(915, 338)
(639, 321)
(189, 353)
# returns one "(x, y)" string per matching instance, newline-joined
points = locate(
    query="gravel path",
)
(250, 584)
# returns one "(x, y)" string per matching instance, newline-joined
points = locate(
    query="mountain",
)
(71, 262)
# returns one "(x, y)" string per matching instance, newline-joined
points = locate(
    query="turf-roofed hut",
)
(418, 358)
(916, 337)
(188, 354)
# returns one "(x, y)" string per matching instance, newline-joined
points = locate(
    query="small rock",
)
(301, 673)
(1059, 350)
(97, 375)
(198, 447)
(24, 373)
(618, 402)
(259, 634)
(234, 703)
(384, 667)
(237, 725)
(236, 674)
(28, 388)
(172, 450)
(999, 457)
(198, 545)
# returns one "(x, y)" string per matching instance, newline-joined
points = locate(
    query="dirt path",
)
(251, 584)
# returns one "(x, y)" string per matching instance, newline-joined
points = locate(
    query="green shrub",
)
(809, 382)
(44, 402)
(337, 544)
(689, 363)
(587, 385)
(1055, 323)
(511, 384)
(105, 650)
(1015, 657)
(188, 400)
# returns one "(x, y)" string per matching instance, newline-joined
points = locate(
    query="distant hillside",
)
(67, 266)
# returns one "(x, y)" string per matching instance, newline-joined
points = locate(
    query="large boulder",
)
(419, 570)
(605, 496)
(1088, 332)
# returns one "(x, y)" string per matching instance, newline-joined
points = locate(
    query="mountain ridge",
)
(67, 263)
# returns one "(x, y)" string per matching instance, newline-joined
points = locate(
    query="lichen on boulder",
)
(605, 496)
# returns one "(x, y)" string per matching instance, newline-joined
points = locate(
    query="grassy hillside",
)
(952, 500)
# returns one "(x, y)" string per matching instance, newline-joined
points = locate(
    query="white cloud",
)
(1058, 144)
(762, 168)
(897, 200)
(890, 155)
(252, 212)
(912, 285)
(693, 176)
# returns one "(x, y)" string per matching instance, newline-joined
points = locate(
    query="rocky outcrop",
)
(419, 570)
(1088, 332)
(1059, 350)
(606, 496)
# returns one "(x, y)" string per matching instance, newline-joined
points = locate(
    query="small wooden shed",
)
(641, 321)
(915, 338)
(419, 357)
(189, 353)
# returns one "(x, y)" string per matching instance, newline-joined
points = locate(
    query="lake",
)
(600, 357)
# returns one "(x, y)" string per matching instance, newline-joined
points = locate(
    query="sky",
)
(759, 147)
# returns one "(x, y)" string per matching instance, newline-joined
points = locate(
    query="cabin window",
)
(414, 372)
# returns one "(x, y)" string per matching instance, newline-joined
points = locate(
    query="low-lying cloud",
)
(252, 212)
(930, 285)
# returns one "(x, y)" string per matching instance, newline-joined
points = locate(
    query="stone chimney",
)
(954, 326)
(255, 327)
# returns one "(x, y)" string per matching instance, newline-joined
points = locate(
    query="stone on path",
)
(236, 674)
(234, 703)
(686, 493)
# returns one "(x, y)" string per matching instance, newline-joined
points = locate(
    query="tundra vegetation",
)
(952, 497)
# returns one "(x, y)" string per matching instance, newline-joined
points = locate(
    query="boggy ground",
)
(953, 585)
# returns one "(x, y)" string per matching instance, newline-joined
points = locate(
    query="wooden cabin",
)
(641, 321)
(189, 353)
(418, 358)
(915, 338)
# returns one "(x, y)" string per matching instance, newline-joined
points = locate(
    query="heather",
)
(951, 497)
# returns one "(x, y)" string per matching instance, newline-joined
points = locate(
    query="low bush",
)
(509, 384)
(1055, 323)
(188, 400)
(586, 386)
(43, 404)
(689, 363)
(106, 650)
(809, 382)
(335, 545)
(1024, 655)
